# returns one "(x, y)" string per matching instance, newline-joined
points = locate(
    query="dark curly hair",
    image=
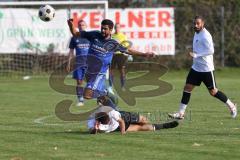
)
(102, 117)
(108, 22)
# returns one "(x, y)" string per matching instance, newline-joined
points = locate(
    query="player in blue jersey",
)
(81, 46)
(102, 48)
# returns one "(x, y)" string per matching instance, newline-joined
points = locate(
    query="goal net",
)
(30, 46)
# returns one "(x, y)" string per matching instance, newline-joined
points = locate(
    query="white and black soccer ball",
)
(46, 13)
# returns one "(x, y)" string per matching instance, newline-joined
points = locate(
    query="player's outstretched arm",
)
(72, 28)
(195, 55)
(138, 53)
(122, 126)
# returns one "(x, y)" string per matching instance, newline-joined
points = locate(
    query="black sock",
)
(185, 97)
(166, 125)
(221, 96)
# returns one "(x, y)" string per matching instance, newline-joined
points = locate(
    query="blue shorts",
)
(97, 83)
(79, 73)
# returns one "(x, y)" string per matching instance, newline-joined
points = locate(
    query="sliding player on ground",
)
(106, 120)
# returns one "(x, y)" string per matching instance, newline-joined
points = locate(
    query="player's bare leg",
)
(137, 127)
(152, 127)
(143, 120)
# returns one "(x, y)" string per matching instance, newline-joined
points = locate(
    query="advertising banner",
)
(21, 31)
(149, 29)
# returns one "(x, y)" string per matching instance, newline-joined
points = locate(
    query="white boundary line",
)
(40, 121)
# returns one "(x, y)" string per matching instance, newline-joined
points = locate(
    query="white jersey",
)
(204, 50)
(111, 126)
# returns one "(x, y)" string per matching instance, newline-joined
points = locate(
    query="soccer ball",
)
(46, 13)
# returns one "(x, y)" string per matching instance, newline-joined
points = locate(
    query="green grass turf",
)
(209, 133)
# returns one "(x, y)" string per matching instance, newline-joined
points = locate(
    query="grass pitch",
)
(29, 128)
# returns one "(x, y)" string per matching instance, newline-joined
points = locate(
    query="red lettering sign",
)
(137, 19)
(164, 18)
(118, 19)
(150, 19)
(76, 17)
(95, 18)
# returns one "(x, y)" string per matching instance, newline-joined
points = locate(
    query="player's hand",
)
(192, 54)
(150, 54)
(72, 28)
(70, 22)
(123, 132)
(68, 68)
(96, 126)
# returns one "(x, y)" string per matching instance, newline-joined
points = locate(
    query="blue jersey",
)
(100, 52)
(81, 46)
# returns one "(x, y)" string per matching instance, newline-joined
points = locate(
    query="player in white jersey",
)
(106, 120)
(202, 70)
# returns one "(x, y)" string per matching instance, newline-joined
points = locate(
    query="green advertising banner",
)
(23, 32)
